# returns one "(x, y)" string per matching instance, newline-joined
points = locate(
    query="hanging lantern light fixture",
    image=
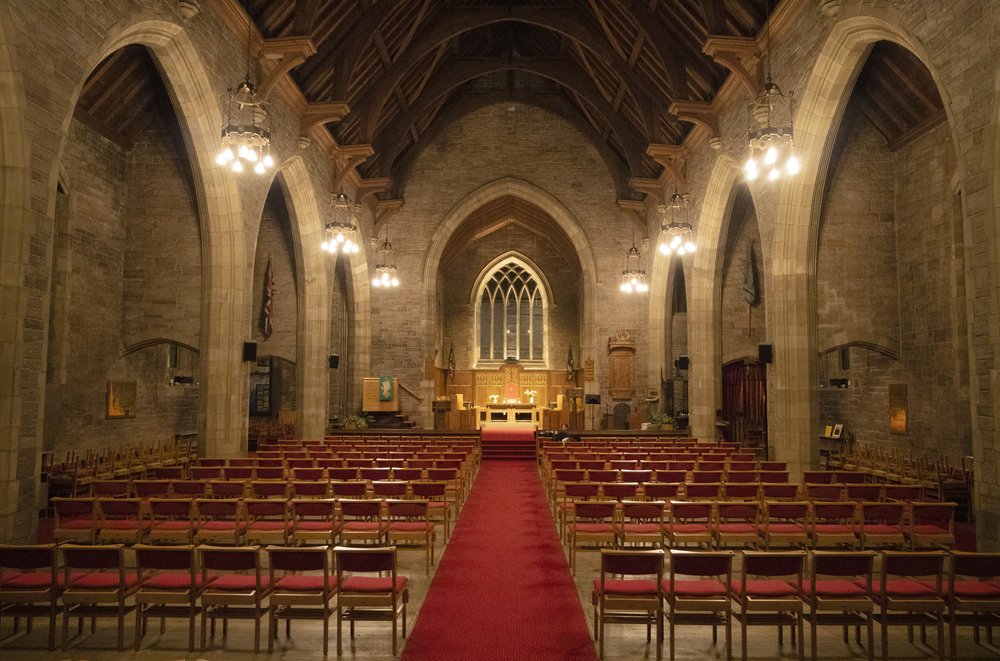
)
(770, 132)
(633, 275)
(246, 136)
(676, 233)
(386, 275)
(341, 232)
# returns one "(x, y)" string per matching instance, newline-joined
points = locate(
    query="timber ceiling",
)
(407, 68)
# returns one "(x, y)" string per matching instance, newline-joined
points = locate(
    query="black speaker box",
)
(334, 361)
(249, 352)
(683, 363)
(592, 399)
(765, 354)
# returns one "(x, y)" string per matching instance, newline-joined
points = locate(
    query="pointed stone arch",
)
(547, 203)
(222, 419)
(313, 309)
(792, 398)
(704, 296)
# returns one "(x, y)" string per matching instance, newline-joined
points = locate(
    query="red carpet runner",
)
(503, 589)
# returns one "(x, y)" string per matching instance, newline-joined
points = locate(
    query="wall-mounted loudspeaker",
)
(592, 399)
(682, 363)
(765, 354)
(334, 361)
(249, 352)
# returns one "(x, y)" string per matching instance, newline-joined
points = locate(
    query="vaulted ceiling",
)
(384, 77)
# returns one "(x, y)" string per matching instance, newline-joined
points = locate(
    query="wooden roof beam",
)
(320, 113)
(288, 53)
(700, 113)
(347, 157)
(674, 159)
(739, 55)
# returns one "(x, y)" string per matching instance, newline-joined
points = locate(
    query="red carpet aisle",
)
(503, 589)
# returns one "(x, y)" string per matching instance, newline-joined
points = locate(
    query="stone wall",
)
(742, 332)
(274, 242)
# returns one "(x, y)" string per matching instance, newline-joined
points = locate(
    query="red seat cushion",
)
(304, 583)
(221, 526)
(930, 529)
(7, 574)
(833, 528)
(696, 588)
(269, 526)
(362, 526)
(82, 523)
(640, 528)
(592, 528)
(372, 584)
(689, 528)
(882, 529)
(170, 581)
(32, 580)
(411, 526)
(765, 588)
(315, 525)
(785, 528)
(102, 580)
(977, 589)
(633, 587)
(172, 525)
(124, 524)
(736, 528)
(237, 582)
(835, 587)
(904, 587)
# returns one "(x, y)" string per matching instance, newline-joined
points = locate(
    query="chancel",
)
(487, 289)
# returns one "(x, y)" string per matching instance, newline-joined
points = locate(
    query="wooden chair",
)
(168, 587)
(838, 591)
(75, 520)
(785, 524)
(690, 523)
(641, 523)
(408, 522)
(172, 520)
(30, 587)
(314, 521)
(121, 520)
(628, 591)
(833, 524)
(302, 586)
(931, 524)
(736, 523)
(591, 522)
(769, 592)
(973, 595)
(268, 521)
(220, 521)
(96, 585)
(369, 589)
(910, 592)
(881, 524)
(705, 598)
(362, 521)
(438, 505)
(233, 588)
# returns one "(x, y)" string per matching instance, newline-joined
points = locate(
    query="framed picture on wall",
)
(121, 399)
(838, 431)
(897, 408)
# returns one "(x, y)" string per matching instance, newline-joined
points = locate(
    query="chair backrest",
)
(72, 508)
(701, 563)
(351, 489)
(737, 511)
(833, 511)
(627, 562)
(580, 490)
(619, 490)
(916, 564)
(171, 508)
(940, 514)
(265, 508)
(688, 511)
(407, 474)
(858, 564)
(110, 488)
(774, 564)
(661, 490)
(119, 508)
(365, 559)
(888, 513)
(643, 510)
(27, 557)
(741, 491)
(406, 509)
(218, 508)
(78, 556)
(299, 559)
(389, 488)
(230, 558)
(314, 507)
(269, 489)
(151, 488)
(640, 476)
(702, 490)
(164, 557)
(594, 510)
(269, 473)
(430, 490)
(786, 510)
(361, 509)
(310, 489)
(985, 566)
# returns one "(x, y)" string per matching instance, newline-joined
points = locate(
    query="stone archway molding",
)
(547, 203)
(792, 396)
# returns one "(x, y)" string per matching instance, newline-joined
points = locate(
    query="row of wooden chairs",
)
(88, 581)
(930, 588)
(77, 469)
(260, 521)
(673, 524)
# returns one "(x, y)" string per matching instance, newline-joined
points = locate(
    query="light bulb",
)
(251, 155)
(259, 168)
(750, 166)
(773, 174)
(244, 152)
(689, 246)
(340, 237)
(665, 249)
(268, 161)
(793, 166)
(325, 246)
(395, 282)
(771, 156)
(227, 154)
(237, 166)
(675, 241)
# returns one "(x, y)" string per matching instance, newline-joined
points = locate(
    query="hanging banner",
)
(385, 393)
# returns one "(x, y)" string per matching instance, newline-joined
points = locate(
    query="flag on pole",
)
(750, 279)
(570, 370)
(451, 363)
(268, 312)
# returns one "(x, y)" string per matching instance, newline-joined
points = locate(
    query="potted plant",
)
(661, 421)
(358, 420)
